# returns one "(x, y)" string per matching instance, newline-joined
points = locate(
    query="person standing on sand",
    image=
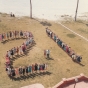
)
(23, 71)
(20, 70)
(2, 37)
(26, 68)
(36, 67)
(17, 50)
(17, 71)
(9, 53)
(30, 69)
(9, 71)
(33, 68)
(7, 35)
(44, 53)
(48, 53)
(12, 52)
(13, 72)
(11, 14)
(20, 50)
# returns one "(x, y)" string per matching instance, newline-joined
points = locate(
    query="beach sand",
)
(61, 65)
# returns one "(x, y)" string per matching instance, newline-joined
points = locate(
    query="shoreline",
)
(64, 17)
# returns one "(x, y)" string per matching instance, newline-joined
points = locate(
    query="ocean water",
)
(45, 9)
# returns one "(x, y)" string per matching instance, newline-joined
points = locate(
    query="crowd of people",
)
(20, 50)
(14, 35)
(16, 51)
(64, 46)
(26, 70)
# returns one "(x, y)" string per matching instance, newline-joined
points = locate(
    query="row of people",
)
(26, 70)
(18, 50)
(63, 45)
(15, 34)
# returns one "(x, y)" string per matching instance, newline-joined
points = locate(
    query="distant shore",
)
(82, 17)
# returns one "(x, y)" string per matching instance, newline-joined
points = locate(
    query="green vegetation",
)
(71, 35)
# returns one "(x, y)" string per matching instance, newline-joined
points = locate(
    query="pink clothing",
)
(16, 71)
(67, 49)
(7, 58)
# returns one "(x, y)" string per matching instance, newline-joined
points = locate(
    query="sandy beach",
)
(61, 65)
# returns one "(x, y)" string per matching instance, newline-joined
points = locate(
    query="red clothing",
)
(17, 49)
(67, 49)
(33, 68)
(7, 60)
(41, 68)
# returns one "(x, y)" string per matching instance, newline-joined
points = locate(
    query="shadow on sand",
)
(49, 58)
(6, 41)
(44, 23)
(32, 76)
